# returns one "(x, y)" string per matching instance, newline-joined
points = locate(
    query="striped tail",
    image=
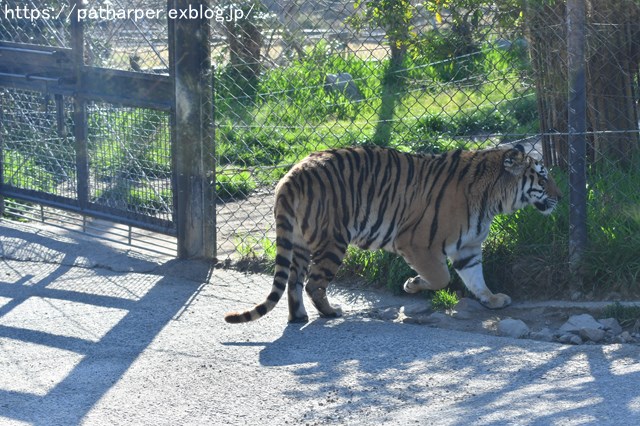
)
(284, 249)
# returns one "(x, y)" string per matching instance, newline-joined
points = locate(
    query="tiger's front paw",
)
(497, 301)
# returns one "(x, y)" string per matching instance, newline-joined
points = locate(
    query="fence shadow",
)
(370, 367)
(80, 329)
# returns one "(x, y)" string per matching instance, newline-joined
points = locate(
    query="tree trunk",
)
(613, 56)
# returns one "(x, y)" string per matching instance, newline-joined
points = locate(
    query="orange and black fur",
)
(426, 208)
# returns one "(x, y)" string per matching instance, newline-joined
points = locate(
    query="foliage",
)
(22, 171)
(444, 300)
(376, 267)
(625, 314)
(232, 185)
(527, 253)
(611, 261)
(257, 255)
(112, 151)
(394, 17)
(137, 197)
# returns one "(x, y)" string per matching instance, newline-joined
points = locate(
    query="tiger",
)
(426, 208)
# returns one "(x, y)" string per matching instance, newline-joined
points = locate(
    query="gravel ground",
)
(93, 335)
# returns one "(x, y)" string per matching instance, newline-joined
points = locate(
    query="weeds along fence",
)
(295, 76)
(298, 76)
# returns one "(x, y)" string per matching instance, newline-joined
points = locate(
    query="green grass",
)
(137, 197)
(625, 315)
(444, 300)
(376, 267)
(527, 253)
(291, 114)
(130, 142)
(22, 171)
(256, 254)
(232, 185)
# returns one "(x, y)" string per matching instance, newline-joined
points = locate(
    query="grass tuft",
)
(626, 315)
(444, 300)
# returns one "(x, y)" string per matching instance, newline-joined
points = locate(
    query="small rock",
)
(618, 339)
(578, 322)
(611, 324)
(513, 328)
(546, 335)
(636, 326)
(387, 314)
(343, 83)
(467, 309)
(570, 338)
(434, 318)
(626, 337)
(592, 334)
(416, 308)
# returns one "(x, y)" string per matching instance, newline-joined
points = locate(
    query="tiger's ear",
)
(515, 161)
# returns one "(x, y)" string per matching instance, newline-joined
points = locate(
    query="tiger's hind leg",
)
(297, 312)
(323, 268)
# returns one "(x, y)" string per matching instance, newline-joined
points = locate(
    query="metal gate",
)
(91, 120)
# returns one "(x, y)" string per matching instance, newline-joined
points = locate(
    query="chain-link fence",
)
(298, 76)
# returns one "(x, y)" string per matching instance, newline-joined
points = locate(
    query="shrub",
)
(444, 300)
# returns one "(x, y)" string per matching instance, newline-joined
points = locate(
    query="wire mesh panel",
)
(130, 160)
(38, 153)
(118, 163)
(127, 35)
(36, 22)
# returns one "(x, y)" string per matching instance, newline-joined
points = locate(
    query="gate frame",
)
(186, 94)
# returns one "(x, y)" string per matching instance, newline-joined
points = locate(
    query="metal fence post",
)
(193, 143)
(576, 26)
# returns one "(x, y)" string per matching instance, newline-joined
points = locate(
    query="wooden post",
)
(80, 131)
(576, 26)
(193, 143)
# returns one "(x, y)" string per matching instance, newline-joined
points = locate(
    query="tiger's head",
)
(535, 186)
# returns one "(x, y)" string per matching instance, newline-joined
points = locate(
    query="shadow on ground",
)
(395, 378)
(69, 333)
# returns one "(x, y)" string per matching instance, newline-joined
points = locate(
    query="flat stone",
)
(467, 309)
(611, 324)
(570, 338)
(387, 314)
(592, 334)
(416, 308)
(513, 328)
(546, 335)
(578, 322)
